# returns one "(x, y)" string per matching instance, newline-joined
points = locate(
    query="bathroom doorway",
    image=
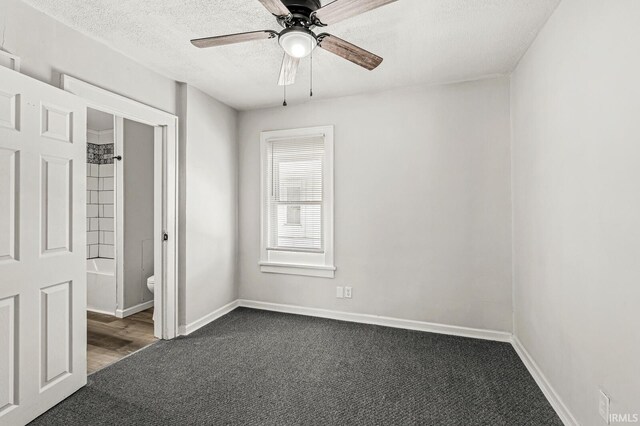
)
(166, 229)
(121, 248)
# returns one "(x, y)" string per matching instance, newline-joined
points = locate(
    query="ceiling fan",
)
(299, 18)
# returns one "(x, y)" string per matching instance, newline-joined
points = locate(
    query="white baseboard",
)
(191, 327)
(100, 311)
(548, 391)
(475, 333)
(121, 313)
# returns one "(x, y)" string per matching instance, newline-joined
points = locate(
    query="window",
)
(297, 202)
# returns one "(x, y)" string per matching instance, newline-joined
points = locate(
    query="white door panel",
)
(56, 201)
(42, 246)
(8, 109)
(8, 329)
(8, 203)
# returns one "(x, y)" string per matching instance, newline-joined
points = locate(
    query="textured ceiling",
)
(422, 42)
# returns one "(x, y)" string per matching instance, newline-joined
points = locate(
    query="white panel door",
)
(42, 246)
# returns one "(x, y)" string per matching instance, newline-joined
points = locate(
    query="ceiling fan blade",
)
(340, 10)
(233, 38)
(276, 7)
(349, 51)
(289, 70)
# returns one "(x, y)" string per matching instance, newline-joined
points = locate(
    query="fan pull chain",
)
(285, 96)
(311, 74)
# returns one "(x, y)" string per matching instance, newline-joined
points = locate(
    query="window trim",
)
(293, 262)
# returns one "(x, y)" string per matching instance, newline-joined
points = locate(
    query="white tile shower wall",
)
(100, 195)
(92, 211)
(105, 211)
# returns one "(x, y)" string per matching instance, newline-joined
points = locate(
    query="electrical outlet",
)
(340, 292)
(347, 292)
(603, 406)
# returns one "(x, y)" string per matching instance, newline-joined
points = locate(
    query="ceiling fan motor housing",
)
(301, 11)
(302, 6)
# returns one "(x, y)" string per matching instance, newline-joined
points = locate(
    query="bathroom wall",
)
(100, 213)
(137, 163)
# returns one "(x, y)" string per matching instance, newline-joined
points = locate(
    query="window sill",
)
(296, 269)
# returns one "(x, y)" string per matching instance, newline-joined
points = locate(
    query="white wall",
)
(576, 162)
(209, 170)
(138, 183)
(49, 48)
(422, 205)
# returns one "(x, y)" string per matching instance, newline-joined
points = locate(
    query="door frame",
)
(166, 127)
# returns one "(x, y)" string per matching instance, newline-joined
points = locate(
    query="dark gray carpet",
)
(262, 368)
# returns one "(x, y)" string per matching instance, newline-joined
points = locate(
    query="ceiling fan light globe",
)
(298, 43)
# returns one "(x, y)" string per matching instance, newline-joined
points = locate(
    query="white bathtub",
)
(101, 285)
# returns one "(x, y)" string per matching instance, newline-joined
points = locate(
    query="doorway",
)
(165, 181)
(121, 255)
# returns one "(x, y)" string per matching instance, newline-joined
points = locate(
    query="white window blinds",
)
(294, 196)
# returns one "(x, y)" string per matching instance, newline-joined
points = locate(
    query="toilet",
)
(151, 282)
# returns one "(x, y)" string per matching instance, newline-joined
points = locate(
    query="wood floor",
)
(110, 339)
